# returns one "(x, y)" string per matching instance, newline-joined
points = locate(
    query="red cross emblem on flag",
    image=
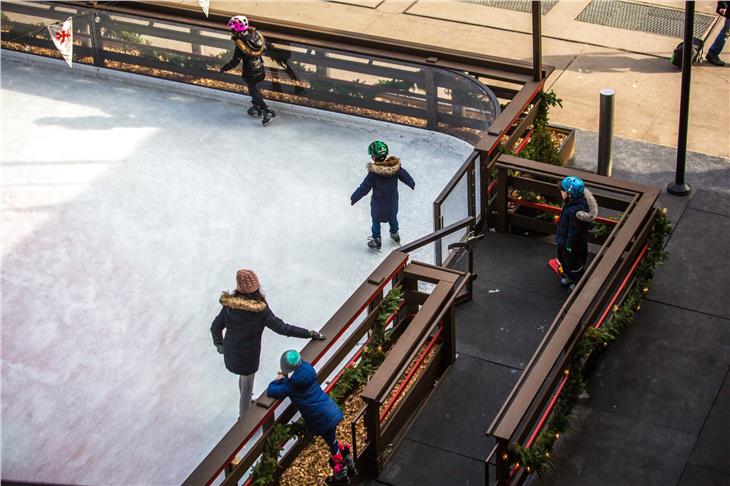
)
(62, 36)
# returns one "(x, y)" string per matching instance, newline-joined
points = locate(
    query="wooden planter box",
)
(566, 151)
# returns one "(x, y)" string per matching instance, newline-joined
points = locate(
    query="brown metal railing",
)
(528, 404)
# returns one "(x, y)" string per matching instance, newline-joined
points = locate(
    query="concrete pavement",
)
(587, 57)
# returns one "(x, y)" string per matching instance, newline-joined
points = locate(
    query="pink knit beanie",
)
(246, 281)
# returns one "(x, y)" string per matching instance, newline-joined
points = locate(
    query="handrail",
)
(461, 171)
(436, 235)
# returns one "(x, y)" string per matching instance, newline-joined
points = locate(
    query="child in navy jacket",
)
(320, 413)
(572, 232)
(383, 175)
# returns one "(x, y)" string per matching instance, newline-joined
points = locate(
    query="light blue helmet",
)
(290, 360)
(574, 186)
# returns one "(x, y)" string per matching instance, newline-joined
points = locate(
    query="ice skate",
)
(268, 116)
(347, 460)
(339, 471)
(395, 237)
(254, 111)
(374, 243)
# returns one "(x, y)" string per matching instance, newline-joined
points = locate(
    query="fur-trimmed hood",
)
(386, 168)
(233, 301)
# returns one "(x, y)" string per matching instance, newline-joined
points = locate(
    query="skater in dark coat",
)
(250, 46)
(571, 235)
(320, 413)
(244, 316)
(383, 175)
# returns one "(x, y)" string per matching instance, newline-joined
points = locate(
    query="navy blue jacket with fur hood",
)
(383, 179)
(244, 320)
(572, 232)
(320, 413)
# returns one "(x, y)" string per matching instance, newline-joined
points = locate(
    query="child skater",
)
(250, 45)
(572, 233)
(320, 413)
(383, 175)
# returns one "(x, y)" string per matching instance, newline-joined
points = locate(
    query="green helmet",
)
(378, 150)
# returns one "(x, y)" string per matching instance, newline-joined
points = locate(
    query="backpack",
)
(697, 46)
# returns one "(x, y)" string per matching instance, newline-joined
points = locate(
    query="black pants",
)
(255, 93)
(573, 262)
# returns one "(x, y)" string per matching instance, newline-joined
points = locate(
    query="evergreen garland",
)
(265, 470)
(537, 458)
(541, 146)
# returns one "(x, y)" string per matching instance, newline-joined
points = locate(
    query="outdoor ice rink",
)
(126, 209)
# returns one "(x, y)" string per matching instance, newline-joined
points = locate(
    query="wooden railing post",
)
(449, 335)
(431, 99)
(371, 454)
(501, 201)
(501, 460)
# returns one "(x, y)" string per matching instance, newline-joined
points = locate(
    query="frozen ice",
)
(126, 210)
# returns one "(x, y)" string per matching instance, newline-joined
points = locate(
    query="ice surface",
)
(126, 209)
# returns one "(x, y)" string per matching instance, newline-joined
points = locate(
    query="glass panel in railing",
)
(466, 107)
(456, 205)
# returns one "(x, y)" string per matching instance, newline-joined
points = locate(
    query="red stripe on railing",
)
(410, 374)
(524, 142)
(620, 289)
(491, 187)
(547, 412)
(342, 371)
(552, 209)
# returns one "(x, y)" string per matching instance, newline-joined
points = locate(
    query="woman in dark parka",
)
(244, 315)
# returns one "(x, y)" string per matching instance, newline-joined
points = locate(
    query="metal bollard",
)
(605, 132)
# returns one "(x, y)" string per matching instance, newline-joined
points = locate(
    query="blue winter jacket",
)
(321, 414)
(383, 179)
(572, 232)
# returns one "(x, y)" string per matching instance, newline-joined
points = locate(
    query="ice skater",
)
(244, 316)
(571, 235)
(320, 413)
(250, 45)
(383, 175)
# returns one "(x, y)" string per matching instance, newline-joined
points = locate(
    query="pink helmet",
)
(239, 23)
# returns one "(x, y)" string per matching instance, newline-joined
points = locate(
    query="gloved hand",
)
(317, 335)
(219, 347)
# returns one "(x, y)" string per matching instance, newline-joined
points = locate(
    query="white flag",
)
(204, 5)
(63, 36)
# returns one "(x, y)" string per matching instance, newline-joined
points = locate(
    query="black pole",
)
(536, 42)
(679, 187)
(605, 132)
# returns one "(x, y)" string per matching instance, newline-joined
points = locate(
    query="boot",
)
(339, 471)
(374, 243)
(268, 116)
(347, 459)
(395, 237)
(254, 111)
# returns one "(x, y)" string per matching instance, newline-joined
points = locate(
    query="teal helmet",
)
(574, 186)
(290, 360)
(378, 150)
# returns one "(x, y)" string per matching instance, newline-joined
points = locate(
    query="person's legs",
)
(255, 93)
(716, 48)
(330, 437)
(393, 222)
(375, 229)
(245, 386)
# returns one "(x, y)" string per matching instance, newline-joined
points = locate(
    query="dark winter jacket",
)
(320, 413)
(572, 232)
(244, 320)
(250, 45)
(383, 179)
(726, 6)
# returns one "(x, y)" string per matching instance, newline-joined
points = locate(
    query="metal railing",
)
(532, 397)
